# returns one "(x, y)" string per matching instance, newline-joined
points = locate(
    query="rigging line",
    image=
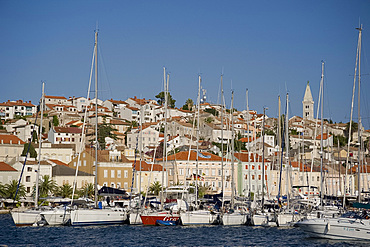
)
(100, 54)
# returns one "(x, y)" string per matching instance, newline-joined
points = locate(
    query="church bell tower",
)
(308, 103)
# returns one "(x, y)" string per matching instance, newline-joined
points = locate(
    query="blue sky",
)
(269, 47)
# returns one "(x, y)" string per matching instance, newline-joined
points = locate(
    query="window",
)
(259, 177)
(125, 185)
(206, 171)
(246, 167)
(105, 173)
(112, 173)
(318, 178)
(181, 171)
(219, 172)
(252, 177)
(118, 175)
(28, 189)
(126, 174)
(112, 185)
(28, 178)
(213, 172)
(29, 169)
(84, 162)
(118, 185)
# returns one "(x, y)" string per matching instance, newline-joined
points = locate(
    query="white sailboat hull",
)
(284, 219)
(56, 217)
(26, 218)
(198, 218)
(84, 217)
(337, 228)
(264, 219)
(234, 219)
(135, 218)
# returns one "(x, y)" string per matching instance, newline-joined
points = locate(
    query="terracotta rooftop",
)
(10, 139)
(4, 167)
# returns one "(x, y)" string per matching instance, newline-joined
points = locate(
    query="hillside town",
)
(132, 157)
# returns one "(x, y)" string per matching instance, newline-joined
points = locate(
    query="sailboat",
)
(351, 225)
(97, 216)
(31, 216)
(237, 214)
(198, 216)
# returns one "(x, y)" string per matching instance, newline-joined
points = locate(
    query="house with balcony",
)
(11, 109)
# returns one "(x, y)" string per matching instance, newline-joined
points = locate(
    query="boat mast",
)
(322, 134)
(360, 161)
(96, 119)
(350, 122)
(249, 151)
(222, 143)
(165, 87)
(197, 156)
(280, 153)
(39, 159)
(287, 147)
(232, 150)
(263, 156)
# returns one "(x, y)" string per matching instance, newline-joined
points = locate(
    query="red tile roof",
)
(7, 139)
(193, 155)
(75, 130)
(5, 167)
(58, 162)
(244, 157)
(147, 167)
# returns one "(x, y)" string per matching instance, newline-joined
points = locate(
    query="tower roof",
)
(307, 94)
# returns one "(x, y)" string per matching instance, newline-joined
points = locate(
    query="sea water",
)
(126, 235)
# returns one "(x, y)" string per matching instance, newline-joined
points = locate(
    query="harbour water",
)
(126, 235)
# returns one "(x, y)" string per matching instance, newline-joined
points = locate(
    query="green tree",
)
(202, 190)
(47, 186)
(34, 136)
(87, 191)
(161, 99)
(155, 188)
(64, 191)
(105, 130)
(209, 120)
(188, 105)
(2, 191)
(212, 111)
(55, 121)
(354, 128)
(32, 151)
(11, 189)
(342, 140)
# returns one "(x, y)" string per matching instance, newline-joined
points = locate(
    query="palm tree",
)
(88, 191)
(155, 188)
(2, 191)
(65, 191)
(11, 189)
(47, 186)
